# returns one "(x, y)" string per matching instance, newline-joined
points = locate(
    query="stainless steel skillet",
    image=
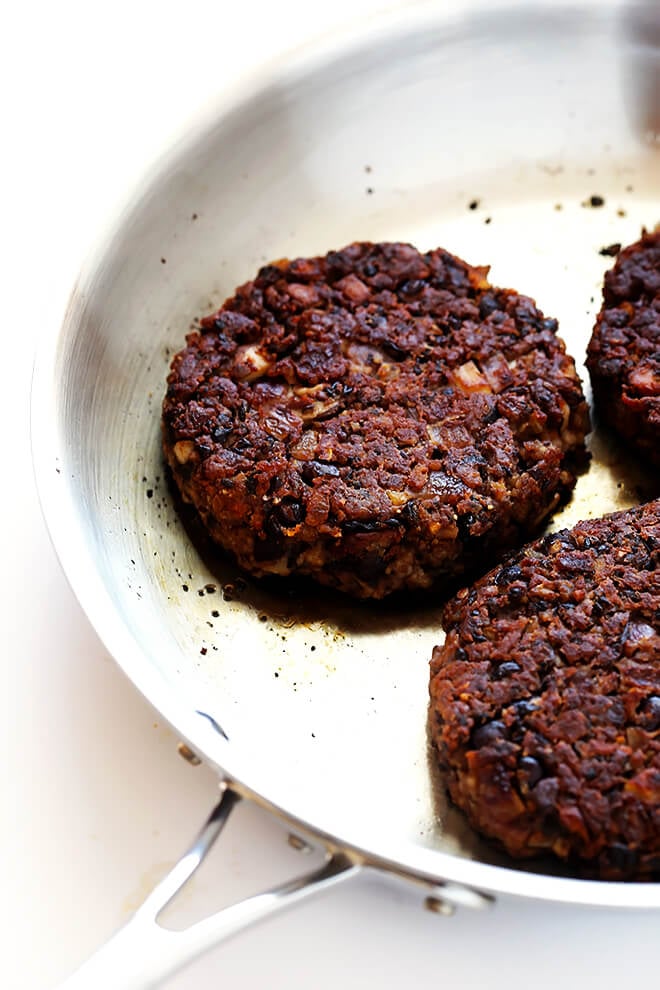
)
(520, 135)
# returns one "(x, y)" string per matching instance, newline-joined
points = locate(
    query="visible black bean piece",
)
(488, 734)
(516, 594)
(507, 575)
(269, 274)
(412, 287)
(241, 444)
(530, 769)
(487, 305)
(409, 513)
(506, 669)
(650, 709)
(524, 707)
(358, 526)
(393, 349)
(316, 469)
(464, 522)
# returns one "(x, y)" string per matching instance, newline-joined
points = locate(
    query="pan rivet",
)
(188, 755)
(299, 844)
(438, 906)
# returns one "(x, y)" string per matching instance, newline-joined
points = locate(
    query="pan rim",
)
(77, 561)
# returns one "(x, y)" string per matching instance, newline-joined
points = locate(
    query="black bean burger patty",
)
(545, 697)
(376, 418)
(624, 351)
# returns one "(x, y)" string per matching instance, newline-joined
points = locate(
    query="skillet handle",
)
(142, 954)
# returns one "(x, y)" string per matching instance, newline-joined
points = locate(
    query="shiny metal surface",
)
(315, 706)
(144, 953)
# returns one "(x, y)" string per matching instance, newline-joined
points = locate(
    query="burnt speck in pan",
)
(473, 204)
(621, 213)
(228, 592)
(195, 216)
(185, 587)
(368, 169)
(488, 220)
(263, 617)
(276, 673)
(150, 493)
(200, 592)
(370, 190)
(594, 202)
(610, 251)
(215, 613)
(203, 651)
(210, 589)
(163, 261)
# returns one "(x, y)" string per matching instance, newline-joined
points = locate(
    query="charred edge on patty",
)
(545, 697)
(376, 418)
(623, 356)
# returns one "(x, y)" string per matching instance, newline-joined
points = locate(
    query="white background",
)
(96, 802)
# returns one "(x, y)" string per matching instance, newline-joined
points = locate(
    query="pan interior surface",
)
(517, 136)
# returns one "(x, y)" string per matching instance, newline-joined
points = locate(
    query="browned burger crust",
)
(376, 418)
(624, 351)
(545, 697)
